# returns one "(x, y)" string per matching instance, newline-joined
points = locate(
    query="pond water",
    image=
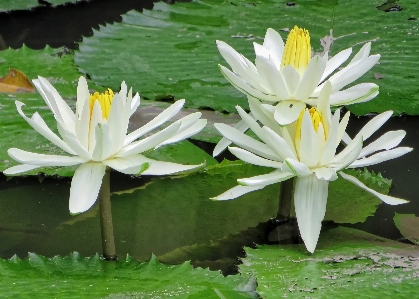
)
(34, 213)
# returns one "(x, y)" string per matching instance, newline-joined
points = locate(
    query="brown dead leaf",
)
(15, 81)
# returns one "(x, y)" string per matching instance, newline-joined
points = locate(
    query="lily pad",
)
(408, 225)
(347, 264)
(169, 52)
(76, 276)
(348, 203)
(7, 5)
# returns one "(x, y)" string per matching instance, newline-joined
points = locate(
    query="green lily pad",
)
(7, 5)
(408, 225)
(347, 263)
(76, 277)
(348, 203)
(169, 52)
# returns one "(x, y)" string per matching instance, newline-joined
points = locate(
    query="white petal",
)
(104, 143)
(295, 167)
(335, 62)
(252, 123)
(311, 78)
(150, 142)
(71, 140)
(244, 87)
(323, 105)
(20, 169)
(274, 43)
(291, 79)
(381, 157)
(83, 95)
(325, 173)
(251, 158)
(374, 124)
(359, 93)
(246, 142)
(287, 112)
(82, 125)
(347, 156)
(241, 126)
(117, 123)
(332, 140)
(279, 145)
(275, 176)
(61, 109)
(351, 73)
(310, 198)
(386, 198)
(263, 116)
(308, 151)
(387, 141)
(25, 157)
(362, 53)
(237, 192)
(240, 65)
(135, 164)
(85, 186)
(272, 77)
(41, 127)
(342, 135)
(192, 130)
(155, 122)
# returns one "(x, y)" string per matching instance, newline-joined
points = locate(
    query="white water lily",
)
(307, 150)
(96, 138)
(289, 76)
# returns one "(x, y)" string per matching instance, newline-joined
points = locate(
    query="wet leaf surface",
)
(347, 263)
(178, 57)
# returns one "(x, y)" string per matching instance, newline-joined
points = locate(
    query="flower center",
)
(297, 51)
(105, 101)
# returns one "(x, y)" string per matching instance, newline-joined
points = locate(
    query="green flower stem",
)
(108, 242)
(285, 198)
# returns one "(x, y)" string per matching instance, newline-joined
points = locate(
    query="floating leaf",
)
(347, 263)
(170, 52)
(408, 225)
(348, 203)
(15, 81)
(79, 277)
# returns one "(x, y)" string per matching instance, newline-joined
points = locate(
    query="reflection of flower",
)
(289, 76)
(307, 150)
(96, 138)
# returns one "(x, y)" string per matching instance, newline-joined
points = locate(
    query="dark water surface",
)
(34, 216)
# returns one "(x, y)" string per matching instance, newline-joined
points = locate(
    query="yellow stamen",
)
(297, 52)
(105, 101)
(316, 120)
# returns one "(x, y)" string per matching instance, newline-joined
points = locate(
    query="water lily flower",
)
(306, 150)
(96, 138)
(289, 76)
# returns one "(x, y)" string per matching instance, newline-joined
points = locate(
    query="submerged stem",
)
(108, 242)
(285, 198)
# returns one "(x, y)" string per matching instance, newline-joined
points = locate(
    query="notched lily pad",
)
(79, 277)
